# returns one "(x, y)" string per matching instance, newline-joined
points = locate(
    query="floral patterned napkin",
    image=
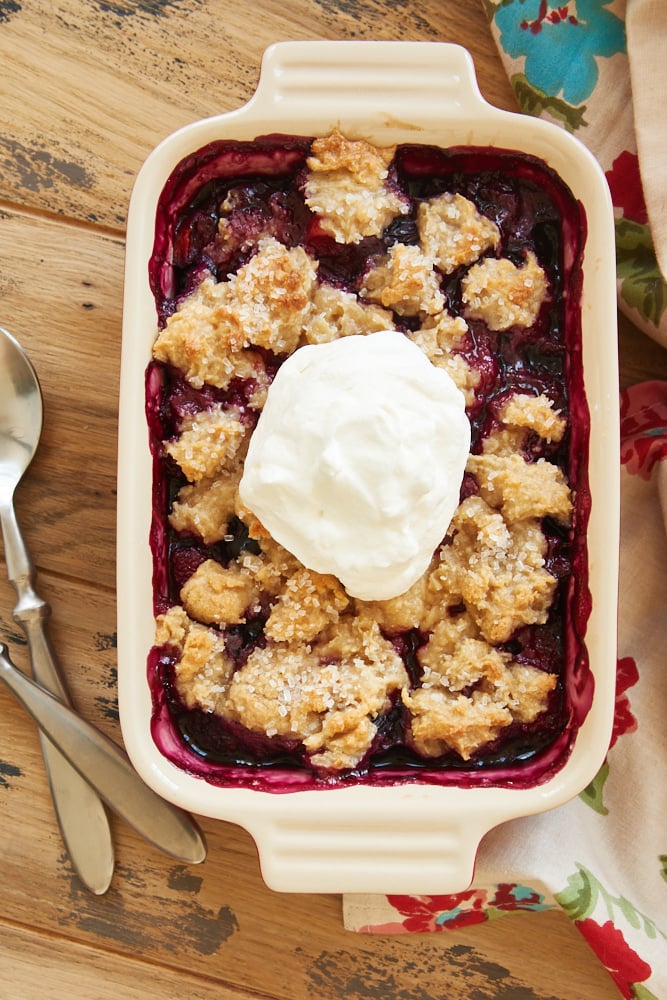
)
(575, 64)
(602, 858)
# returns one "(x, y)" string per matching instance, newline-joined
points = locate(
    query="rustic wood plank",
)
(54, 968)
(61, 296)
(75, 128)
(221, 923)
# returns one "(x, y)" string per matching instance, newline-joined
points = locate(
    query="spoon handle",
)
(81, 816)
(102, 763)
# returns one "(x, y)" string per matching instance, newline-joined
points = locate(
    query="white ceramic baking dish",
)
(411, 838)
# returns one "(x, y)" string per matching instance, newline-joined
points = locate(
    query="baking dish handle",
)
(396, 81)
(384, 850)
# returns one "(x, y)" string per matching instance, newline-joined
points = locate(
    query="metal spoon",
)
(81, 815)
(102, 763)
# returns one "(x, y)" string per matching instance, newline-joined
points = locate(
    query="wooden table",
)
(87, 90)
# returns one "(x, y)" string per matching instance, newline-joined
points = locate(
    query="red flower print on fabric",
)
(430, 913)
(626, 189)
(627, 675)
(461, 909)
(643, 427)
(623, 964)
(515, 896)
(552, 16)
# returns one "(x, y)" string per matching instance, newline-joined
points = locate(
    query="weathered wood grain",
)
(119, 77)
(61, 296)
(52, 968)
(218, 923)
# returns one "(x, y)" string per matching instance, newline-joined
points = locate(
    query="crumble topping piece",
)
(441, 720)
(405, 282)
(446, 628)
(336, 313)
(218, 595)
(196, 340)
(522, 414)
(347, 188)
(398, 613)
(440, 337)
(464, 376)
(270, 296)
(203, 669)
(496, 570)
(208, 443)
(536, 413)
(521, 489)
(308, 603)
(470, 695)
(503, 295)
(453, 233)
(278, 558)
(269, 569)
(263, 305)
(327, 697)
(526, 690)
(206, 508)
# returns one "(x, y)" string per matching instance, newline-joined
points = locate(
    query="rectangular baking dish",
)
(406, 838)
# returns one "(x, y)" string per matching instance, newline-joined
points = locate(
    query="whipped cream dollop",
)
(356, 462)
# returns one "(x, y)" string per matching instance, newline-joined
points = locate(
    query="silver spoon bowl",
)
(21, 413)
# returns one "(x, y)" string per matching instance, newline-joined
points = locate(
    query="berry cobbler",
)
(274, 667)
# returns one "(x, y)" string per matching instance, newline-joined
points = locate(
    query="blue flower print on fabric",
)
(528, 898)
(561, 42)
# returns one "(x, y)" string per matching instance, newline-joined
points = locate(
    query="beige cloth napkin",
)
(646, 27)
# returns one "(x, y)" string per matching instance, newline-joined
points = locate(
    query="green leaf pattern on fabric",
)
(642, 285)
(592, 794)
(584, 894)
(536, 102)
(640, 992)
(662, 858)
